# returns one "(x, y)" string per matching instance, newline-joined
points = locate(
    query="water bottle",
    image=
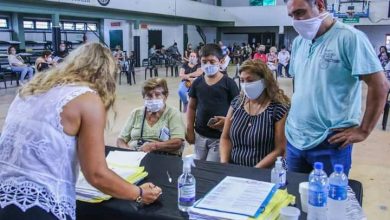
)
(186, 185)
(337, 197)
(278, 173)
(318, 193)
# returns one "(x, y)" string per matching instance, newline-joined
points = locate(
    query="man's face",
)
(302, 9)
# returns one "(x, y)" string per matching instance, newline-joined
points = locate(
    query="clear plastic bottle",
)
(186, 185)
(278, 173)
(337, 197)
(318, 193)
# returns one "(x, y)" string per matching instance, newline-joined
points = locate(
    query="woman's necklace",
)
(257, 110)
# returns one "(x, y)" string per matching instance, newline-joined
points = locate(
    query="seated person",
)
(260, 54)
(61, 54)
(44, 62)
(188, 72)
(17, 65)
(156, 127)
(272, 58)
(253, 134)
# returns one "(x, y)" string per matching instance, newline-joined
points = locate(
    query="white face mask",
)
(210, 69)
(49, 59)
(193, 60)
(308, 28)
(62, 48)
(226, 63)
(154, 105)
(254, 89)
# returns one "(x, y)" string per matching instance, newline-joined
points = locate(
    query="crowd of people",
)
(63, 112)
(45, 61)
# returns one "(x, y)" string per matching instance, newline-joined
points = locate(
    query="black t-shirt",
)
(188, 69)
(211, 101)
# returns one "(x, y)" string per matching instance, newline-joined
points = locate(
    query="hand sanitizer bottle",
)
(186, 185)
(278, 173)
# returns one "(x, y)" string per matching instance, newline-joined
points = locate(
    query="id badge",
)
(164, 134)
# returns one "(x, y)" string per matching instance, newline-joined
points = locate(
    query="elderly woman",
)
(253, 134)
(56, 123)
(272, 58)
(18, 65)
(155, 127)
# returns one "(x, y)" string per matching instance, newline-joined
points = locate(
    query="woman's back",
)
(38, 160)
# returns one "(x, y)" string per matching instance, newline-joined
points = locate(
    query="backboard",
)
(350, 8)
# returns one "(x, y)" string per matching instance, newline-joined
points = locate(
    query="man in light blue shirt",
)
(329, 59)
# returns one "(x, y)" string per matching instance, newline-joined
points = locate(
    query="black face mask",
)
(261, 51)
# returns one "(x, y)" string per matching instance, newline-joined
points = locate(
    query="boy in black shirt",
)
(210, 98)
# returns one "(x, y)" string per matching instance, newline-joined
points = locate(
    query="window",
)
(68, 26)
(91, 27)
(80, 26)
(3, 23)
(28, 24)
(388, 42)
(42, 25)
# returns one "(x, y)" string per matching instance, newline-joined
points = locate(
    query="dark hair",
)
(283, 47)
(211, 50)
(9, 49)
(46, 53)
(313, 2)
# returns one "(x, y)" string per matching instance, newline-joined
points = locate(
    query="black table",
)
(207, 174)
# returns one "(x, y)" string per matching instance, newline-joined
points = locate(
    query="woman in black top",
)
(253, 134)
(188, 72)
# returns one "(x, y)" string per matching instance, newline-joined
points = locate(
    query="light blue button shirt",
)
(327, 86)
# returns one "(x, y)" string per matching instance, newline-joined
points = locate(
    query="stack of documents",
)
(125, 164)
(241, 199)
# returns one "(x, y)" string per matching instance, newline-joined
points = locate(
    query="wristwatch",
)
(138, 200)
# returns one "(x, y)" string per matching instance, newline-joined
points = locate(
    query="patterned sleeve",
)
(280, 111)
(235, 104)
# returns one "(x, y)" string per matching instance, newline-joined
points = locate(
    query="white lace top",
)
(38, 161)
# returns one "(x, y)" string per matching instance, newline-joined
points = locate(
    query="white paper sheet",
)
(237, 195)
(125, 158)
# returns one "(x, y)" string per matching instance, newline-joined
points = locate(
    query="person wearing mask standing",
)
(210, 98)
(188, 73)
(329, 62)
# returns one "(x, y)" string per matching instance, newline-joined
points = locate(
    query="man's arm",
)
(378, 87)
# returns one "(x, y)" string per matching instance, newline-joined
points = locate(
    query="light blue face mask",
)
(210, 69)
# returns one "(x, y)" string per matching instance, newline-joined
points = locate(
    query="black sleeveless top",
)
(253, 137)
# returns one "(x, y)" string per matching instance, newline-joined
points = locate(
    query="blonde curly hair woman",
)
(56, 122)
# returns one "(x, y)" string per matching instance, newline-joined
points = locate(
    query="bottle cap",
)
(318, 165)
(338, 168)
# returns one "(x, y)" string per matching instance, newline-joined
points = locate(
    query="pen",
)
(169, 177)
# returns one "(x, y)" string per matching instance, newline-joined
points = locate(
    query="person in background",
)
(210, 98)
(173, 51)
(152, 50)
(187, 52)
(253, 134)
(45, 61)
(18, 65)
(329, 61)
(260, 54)
(188, 72)
(247, 51)
(384, 55)
(283, 61)
(62, 53)
(54, 126)
(272, 59)
(118, 54)
(154, 127)
(226, 58)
